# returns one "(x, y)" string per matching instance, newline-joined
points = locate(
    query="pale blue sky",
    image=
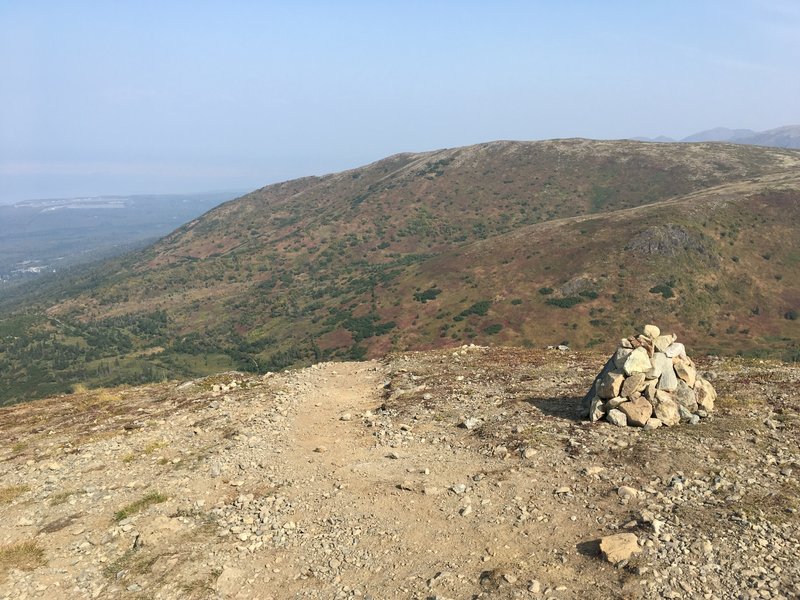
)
(182, 96)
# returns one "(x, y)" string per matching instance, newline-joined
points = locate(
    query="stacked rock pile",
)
(649, 382)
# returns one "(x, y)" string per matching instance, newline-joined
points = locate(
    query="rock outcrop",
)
(649, 382)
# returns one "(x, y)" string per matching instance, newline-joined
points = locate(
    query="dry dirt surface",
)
(455, 474)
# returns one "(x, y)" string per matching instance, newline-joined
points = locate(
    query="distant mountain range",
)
(787, 136)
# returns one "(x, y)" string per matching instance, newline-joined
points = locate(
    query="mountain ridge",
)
(786, 136)
(498, 242)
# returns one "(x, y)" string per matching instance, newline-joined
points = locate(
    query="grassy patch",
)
(25, 556)
(153, 446)
(138, 506)
(9, 493)
(62, 497)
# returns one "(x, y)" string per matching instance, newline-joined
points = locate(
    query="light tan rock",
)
(632, 384)
(615, 402)
(637, 362)
(685, 396)
(666, 409)
(706, 394)
(619, 547)
(653, 423)
(596, 409)
(230, 582)
(650, 388)
(616, 417)
(684, 369)
(662, 342)
(610, 384)
(667, 380)
(637, 411)
(676, 349)
(621, 355)
(651, 331)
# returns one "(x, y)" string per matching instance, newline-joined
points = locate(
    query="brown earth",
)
(356, 480)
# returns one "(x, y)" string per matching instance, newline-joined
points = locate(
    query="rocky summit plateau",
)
(465, 472)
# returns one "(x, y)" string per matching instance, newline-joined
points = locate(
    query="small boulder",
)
(637, 362)
(637, 411)
(676, 349)
(685, 370)
(666, 409)
(610, 384)
(621, 355)
(616, 417)
(597, 409)
(705, 394)
(633, 384)
(662, 342)
(651, 331)
(685, 396)
(619, 547)
(653, 423)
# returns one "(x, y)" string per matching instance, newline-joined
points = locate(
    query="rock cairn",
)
(649, 382)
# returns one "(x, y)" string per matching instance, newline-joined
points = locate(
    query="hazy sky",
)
(182, 96)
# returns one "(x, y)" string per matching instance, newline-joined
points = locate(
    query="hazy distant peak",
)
(719, 134)
(787, 136)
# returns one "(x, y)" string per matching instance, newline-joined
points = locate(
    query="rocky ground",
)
(450, 474)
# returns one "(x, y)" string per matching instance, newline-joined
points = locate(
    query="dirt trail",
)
(325, 483)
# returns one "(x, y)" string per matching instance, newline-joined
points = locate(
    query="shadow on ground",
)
(590, 548)
(563, 407)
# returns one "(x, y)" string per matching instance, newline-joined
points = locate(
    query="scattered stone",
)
(471, 423)
(653, 423)
(346, 417)
(619, 547)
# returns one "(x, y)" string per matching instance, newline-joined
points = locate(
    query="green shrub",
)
(663, 289)
(492, 329)
(566, 302)
(545, 291)
(429, 294)
(479, 308)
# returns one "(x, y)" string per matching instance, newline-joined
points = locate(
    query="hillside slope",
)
(425, 250)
